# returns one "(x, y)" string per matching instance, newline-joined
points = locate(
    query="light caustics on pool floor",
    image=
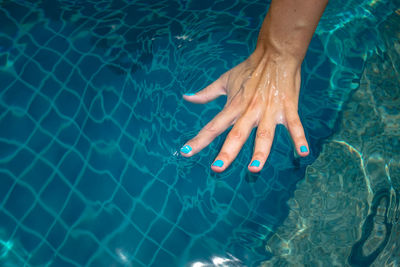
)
(353, 214)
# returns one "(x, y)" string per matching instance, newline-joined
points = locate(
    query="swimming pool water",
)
(92, 119)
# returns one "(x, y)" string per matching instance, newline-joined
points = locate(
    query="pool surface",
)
(92, 120)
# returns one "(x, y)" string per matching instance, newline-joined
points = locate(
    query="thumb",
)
(209, 93)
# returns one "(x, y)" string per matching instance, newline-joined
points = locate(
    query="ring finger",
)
(263, 142)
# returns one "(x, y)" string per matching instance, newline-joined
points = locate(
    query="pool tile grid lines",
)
(121, 113)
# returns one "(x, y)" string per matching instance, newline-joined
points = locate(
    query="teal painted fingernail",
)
(303, 149)
(255, 163)
(218, 163)
(189, 94)
(186, 149)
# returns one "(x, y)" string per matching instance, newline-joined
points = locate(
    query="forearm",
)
(289, 26)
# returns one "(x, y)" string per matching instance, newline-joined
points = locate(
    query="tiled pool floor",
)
(92, 119)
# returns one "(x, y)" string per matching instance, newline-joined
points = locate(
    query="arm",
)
(263, 90)
(289, 26)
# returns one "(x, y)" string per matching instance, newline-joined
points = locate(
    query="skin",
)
(263, 90)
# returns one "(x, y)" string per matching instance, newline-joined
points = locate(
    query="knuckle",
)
(294, 123)
(235, 134)
(298, 135)
(264, 134)
(210, 128)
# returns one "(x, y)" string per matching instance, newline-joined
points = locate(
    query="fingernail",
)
(186, 149)
(218, 163)
(255, 163)
(303, 149)
(189, 94)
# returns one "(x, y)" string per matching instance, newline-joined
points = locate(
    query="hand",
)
(262, 91)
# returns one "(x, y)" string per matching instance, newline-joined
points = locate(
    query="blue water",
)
(92, 120)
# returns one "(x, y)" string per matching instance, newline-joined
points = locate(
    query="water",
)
(92, 119)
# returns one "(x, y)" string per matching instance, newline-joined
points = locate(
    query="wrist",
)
(275, 54)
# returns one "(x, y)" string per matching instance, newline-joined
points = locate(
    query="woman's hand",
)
(262, 91)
